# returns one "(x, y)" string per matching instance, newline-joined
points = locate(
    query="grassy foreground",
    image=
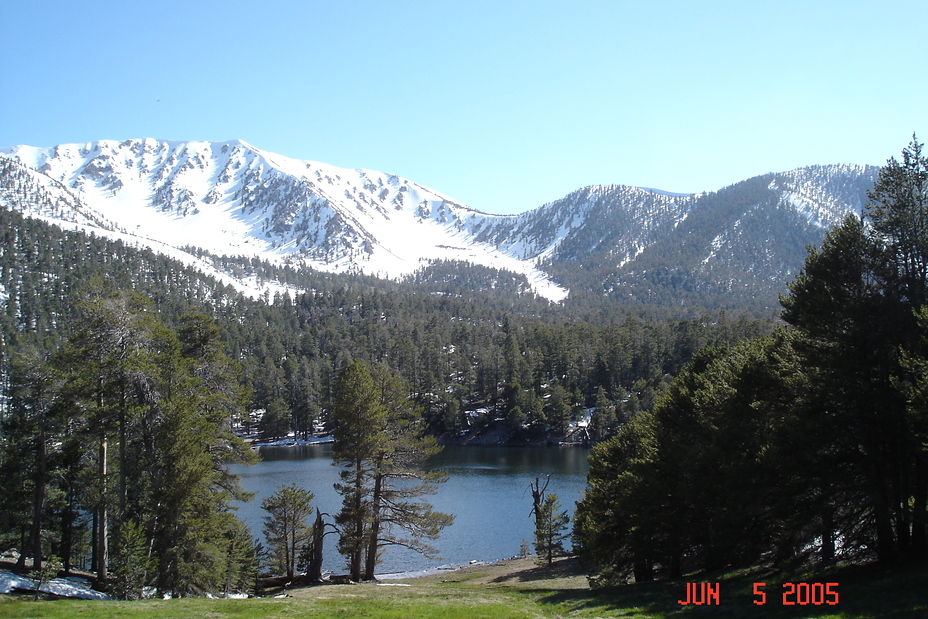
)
(517, 589)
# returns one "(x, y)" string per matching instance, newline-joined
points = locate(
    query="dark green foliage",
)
(285, 525)
(550, 529)
(239, 554)
(809, 442)
(695, 483)
(30, 433)
(855, 306)
(141, 442)
(275, 421)
(380, 444)
(604, 420)
(456, 278)
(611, 529)
(132, 566)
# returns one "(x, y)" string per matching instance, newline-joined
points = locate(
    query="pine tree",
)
(285, 525)
(109, 371)
(550, 529)
(31, 431)
(400, 479)
(132, 566)
(379, 442)
(603, 421)
(854, 305)
(189, 449)
(165, 403)
(613, 529)
(360, 421)
(240, 557)
(558, 411)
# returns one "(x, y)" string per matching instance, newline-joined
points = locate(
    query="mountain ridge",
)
(269, 205)
(232, 198)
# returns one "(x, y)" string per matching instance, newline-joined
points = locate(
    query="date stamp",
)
(790, 594)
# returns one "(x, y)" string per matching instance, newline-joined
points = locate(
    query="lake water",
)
(487, 491)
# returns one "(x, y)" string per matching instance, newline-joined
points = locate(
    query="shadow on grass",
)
(864, 592)
(562, 568)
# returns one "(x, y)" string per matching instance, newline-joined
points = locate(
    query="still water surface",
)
(487, 491)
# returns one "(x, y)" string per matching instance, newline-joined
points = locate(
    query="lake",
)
(487, 491)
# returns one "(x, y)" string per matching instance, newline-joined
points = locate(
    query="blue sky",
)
(504, 106)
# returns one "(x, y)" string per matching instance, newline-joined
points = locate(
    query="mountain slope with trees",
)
(115, 355)
(125, 432)
(732, 248)
(804, 445)
(461, 350)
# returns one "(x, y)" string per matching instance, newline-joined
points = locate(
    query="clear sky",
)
(503, 105)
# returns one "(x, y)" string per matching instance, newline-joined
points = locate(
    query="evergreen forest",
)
(722, 437)
(806, 446)
(113, 356)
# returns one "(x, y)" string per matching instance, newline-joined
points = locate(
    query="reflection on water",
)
(487, 491)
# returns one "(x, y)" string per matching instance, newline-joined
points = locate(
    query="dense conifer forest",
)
(107, 343)
(722, 438)
(492, 351)
(805, 446)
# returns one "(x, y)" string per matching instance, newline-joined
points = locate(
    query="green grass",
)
(864, 593)
(361, 602)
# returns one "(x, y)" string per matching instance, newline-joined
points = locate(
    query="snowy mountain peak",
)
(231, 198)
(234, 199)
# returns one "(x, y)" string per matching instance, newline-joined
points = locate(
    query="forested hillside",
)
(733, 249)
(803, 447)
(721, 440)
(498, 350)
(106, 343)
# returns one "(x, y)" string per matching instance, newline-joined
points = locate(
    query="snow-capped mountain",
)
(624, 219)
(735, 247)
(231, 198)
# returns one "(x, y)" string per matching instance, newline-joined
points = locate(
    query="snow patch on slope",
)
(63, 587)
(231, 198)
(248, 286)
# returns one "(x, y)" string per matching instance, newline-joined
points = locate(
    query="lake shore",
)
(487, 491)
(521, 572)
(519, 588)
(524, 572)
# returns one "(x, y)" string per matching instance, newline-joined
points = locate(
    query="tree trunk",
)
(885, 543)
(38, 503)
(102, 527)
(538, 496)
(920, 507)
(122, 457)
(828, 536)
(93, 539)
(289, 544)
(67, 533)
(314, 573)
(227, 589)
(358, 526)
(372, 543)
(643, 570)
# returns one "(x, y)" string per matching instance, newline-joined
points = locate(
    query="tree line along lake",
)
(487, 491)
